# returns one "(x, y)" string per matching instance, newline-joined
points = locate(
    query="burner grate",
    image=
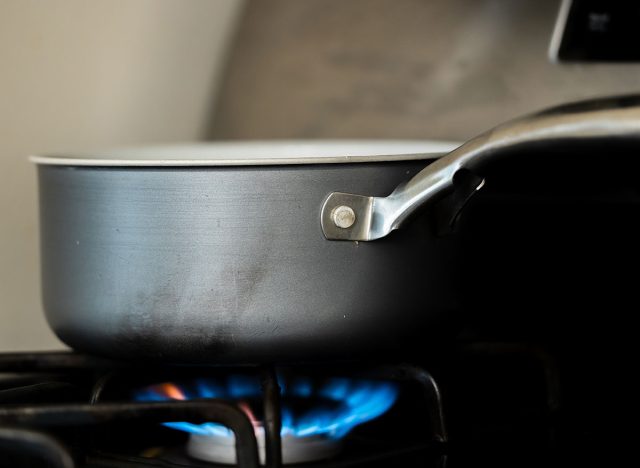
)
(25, 426)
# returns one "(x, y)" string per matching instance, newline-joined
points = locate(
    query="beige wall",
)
(77, 74)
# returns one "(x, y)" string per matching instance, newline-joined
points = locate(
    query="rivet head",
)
(343, 216)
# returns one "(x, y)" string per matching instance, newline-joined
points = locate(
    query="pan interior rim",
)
(256, 153)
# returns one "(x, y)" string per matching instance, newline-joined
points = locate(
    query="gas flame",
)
(354, 402)
(172, 391)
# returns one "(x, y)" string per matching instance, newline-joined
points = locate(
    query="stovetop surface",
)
(498, 403)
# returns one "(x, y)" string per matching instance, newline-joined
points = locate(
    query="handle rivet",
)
(343, 216)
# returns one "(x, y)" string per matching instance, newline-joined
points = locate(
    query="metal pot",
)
(191, 255)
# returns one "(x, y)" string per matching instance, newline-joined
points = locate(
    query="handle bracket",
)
(359, 229)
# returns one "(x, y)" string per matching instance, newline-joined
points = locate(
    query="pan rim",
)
(255, 153)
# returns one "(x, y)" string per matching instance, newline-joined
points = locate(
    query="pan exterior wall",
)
(230, 264)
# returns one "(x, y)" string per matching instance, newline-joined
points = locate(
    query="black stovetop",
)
(479, 402)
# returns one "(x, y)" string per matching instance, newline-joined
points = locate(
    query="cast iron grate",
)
(51, 411)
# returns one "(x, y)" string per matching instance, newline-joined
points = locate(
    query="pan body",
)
(229, 264)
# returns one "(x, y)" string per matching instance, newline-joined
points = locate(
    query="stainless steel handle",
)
(364, 218)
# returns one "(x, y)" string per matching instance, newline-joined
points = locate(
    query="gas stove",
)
(491, 402)
(534, 367)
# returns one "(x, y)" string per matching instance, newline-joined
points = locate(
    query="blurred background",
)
(79, 75)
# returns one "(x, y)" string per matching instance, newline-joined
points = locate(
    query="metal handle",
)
(363, 218)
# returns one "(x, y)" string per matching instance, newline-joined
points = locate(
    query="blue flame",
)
(353, 402)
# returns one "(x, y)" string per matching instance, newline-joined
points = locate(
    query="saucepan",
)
(214, 253)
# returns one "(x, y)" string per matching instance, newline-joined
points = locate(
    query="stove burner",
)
(50, 419)
(295, 449)
(316, 414)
